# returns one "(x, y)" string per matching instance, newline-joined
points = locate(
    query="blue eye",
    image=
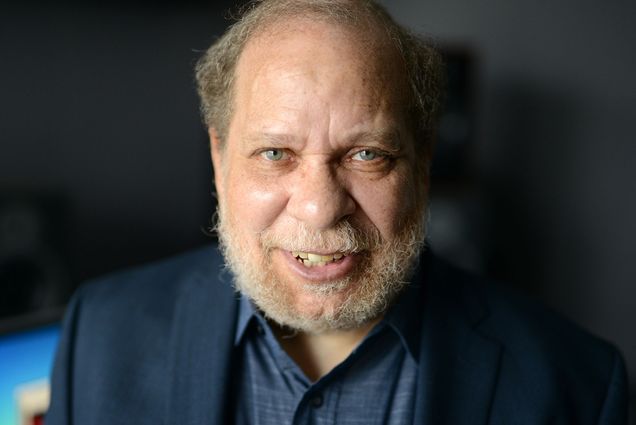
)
(365, 155)
(273, 154)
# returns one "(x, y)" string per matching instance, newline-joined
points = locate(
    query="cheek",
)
(253, 204)
(387, 204)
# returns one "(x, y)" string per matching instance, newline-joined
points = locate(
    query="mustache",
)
(344, 237)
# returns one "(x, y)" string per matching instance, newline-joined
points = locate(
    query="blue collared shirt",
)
(374, 385)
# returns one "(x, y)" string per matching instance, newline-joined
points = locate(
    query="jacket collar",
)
(200, 352)
(458, 365)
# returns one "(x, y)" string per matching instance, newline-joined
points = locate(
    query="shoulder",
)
(547, 363)
(524, 326)
(549, 343)
(155, 286)
(137, 307)
(122, 332)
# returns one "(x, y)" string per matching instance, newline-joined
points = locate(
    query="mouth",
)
(318, 267)
(310, 259)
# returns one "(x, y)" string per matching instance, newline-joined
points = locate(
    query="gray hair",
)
(215, 70)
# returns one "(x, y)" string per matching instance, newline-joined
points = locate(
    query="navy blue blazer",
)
(155, 346)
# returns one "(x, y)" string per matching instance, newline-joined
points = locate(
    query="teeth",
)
(314, 258)
(310, 259)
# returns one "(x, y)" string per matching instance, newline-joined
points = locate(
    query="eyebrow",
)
(273, 140)
(388, 138)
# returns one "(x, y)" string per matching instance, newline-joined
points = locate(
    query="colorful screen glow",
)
(26, 359)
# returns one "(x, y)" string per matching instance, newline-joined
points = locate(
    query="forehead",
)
(286, 39)
(283, 60)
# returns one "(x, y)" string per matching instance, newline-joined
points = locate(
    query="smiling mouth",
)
(309, 259)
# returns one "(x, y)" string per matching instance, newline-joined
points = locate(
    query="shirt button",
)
(317, 400)
(260, 330)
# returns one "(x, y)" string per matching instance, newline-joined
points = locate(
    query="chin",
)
(319, 307)
(322, 305)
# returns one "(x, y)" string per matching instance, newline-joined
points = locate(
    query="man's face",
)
(320, 209)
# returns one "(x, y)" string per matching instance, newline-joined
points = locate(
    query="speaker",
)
(33, 271)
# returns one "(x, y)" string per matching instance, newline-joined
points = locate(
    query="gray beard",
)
(367, 292)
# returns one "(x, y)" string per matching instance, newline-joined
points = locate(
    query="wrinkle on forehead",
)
(373, 59)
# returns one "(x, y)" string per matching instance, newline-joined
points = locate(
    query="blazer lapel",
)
(458, 366)
(201, 347)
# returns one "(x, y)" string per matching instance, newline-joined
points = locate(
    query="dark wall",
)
(100, 133)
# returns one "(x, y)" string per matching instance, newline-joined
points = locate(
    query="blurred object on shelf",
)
(33, 267)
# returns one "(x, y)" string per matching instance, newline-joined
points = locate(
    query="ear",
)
(216, 153)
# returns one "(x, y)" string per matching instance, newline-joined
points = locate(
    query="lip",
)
(328, 272)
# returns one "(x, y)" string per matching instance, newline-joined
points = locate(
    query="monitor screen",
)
(26, 359)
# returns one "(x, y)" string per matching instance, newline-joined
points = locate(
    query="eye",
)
(273, 154)
(365, 155)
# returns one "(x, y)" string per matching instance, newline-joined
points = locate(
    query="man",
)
(321, 115)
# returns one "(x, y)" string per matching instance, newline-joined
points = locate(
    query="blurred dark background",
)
(104, 163)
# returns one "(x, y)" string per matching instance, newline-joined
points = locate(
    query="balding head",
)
(376, 34)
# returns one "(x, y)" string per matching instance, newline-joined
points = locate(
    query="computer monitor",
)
(27, 349)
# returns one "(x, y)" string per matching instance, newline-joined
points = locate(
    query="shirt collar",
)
(246, 312)
(405, 318)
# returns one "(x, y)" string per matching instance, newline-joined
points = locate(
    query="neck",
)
(318, 354)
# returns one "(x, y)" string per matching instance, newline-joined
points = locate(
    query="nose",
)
(319, 198)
